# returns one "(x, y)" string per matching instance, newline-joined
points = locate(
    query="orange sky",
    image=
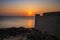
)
(24, 7)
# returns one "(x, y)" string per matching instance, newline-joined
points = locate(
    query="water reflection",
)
(29, 23)
(17, 22)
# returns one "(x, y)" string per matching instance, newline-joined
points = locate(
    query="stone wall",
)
(49, 24)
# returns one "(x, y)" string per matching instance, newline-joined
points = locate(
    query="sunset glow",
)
(30, 12)
(28, 7)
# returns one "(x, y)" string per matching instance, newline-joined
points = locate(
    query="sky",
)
(28, 7)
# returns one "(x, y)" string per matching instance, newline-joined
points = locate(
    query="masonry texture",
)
(49, 22)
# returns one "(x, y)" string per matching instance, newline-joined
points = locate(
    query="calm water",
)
(7, 22)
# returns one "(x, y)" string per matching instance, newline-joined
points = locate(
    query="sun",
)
(30, 13)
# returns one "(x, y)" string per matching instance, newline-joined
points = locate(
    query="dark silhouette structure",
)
(49, 22)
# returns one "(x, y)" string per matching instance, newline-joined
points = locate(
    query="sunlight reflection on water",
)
(17, 22)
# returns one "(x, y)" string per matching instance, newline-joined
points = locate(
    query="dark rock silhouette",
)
(8, 32)
(38, 35)
(32, 34)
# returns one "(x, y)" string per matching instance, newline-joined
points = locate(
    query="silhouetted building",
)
(52, 14)
(49, 22)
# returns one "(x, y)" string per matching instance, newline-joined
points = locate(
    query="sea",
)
(17, 21)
